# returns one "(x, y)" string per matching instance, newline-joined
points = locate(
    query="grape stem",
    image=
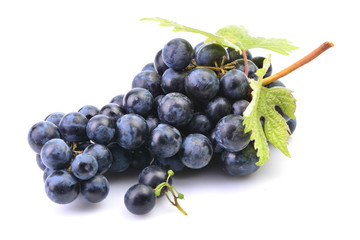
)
(245, 62)
(322, 48)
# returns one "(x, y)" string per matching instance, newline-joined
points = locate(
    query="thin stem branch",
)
(322, 48)
(245, 62)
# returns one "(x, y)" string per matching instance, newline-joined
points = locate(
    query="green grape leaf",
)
(263, 105)
(239, 36)
(181, 28)
(233, 36)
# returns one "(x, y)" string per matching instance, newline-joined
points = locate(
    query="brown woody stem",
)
(322, 48)
(245, 62)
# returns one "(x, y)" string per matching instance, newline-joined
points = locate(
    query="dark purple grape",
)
(202, 84)
(173, 81)
(118, 99)
(120, 158)
(217, 108)
(112, 110)
(175, 109)
(140, 199)
(139, 101)
(200, 123)
(177, 54)
(100, 129)
(102, 155)
(40, 133)
(84, 166)
(95, 189)
(89, 111)
(56, 154)
(165, 141)
(61, 187)
(73, 127)
(149, 80)
(159, 64)
(292, 125)
(259, 61)
(235, 55)
(234, 85)
(210, 53)
(149, 66)
(55, 118)
(239, 107)
(252, 68)
(131, 131)
(154, 175)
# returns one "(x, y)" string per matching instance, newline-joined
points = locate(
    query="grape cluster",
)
(184, 109)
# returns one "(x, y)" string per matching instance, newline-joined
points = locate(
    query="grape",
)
(292, 125)
(200, 123)
(159, 64)
(100, 129)
(197, 47)
(276, 83)
(239, 107)
(56, 154)
(55, 118)
(234, 85)
(120, 158)
(235, 55)
(95, 189)
(112, 110)
(140, 157)
(39, 162)
(210, 53)
(174, 163)
(138, 100)
(175, 109)
(217, 108)
(61, 187)
(173, 81)
(152, 122)
(240, 163)
(165, 141)
(131, 131)
(149, 80)
(140, 199)
(201, 84)
(230, 133)
(149, 66)
(47, 172)
(89, 111)
(212, 138)
(259, 61)
(118, 99)
(73, 127)
(40, 133)
(152, 176)
(196, 151)
(252, 68)
(84, 166)
(177, 53)
(102, 155)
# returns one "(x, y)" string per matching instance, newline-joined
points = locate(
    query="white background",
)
(61, 55)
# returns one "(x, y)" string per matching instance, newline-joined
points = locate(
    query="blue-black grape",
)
(292, 125)
(175, 109)
(276, 83)
(47, 172)
(40, 133)
(140, 157)
(154, 175)
(89, 111)
(139, 101)
(159, 64)
(240, 163)
(259, 61)
(112, 110)
(171, 163)
(149, 66)
(62, 187)
(118, 99)
(39, 162)
(212, 138)
(102, 155)
(230, 133)
(152, 122)
(200, 123)
(73, 127)
(208, 54)
(239, 107)
(173, 81)
(56, 154)
(140, 199)
(131, 131)
(177, 53)
(84, 166)
(55, 118)
(202, 84)
(235, 55)
(149, 80)
(234, 85)
(217, 108)
(120, 158)
(196, 151)
(95, 189)
(100, 129)
(165, 141)
(252, 68)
